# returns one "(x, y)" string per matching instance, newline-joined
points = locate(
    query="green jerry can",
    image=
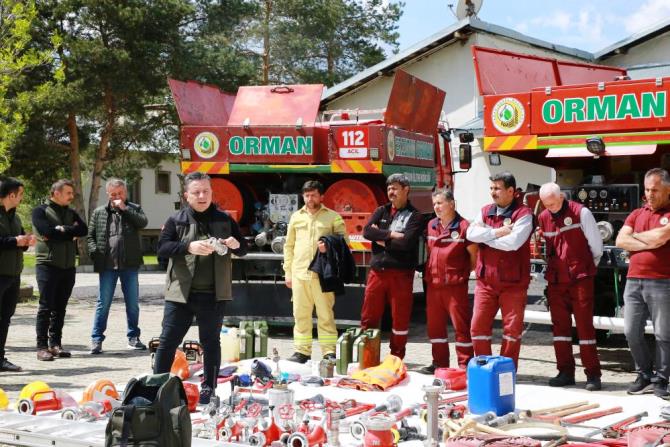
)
(260, 338)
(366, 349)
(246, 335)
(343, 349)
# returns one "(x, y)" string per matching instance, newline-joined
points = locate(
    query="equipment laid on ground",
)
(230, 345)
(344, 349)
(154, 411)
(495, 378)
(366, 348)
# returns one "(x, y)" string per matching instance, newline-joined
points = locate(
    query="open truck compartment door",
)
(201, 104)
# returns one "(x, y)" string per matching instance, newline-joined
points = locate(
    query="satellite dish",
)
(468, 8)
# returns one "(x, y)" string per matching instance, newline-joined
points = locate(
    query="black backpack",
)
(154, 413)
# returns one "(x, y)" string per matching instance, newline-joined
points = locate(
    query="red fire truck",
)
(262, 143)
(599, 130)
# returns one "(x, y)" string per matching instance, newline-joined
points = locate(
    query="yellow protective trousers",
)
(307, 294)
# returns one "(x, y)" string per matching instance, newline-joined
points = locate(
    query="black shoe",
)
(642, 385)
(298, 357)
(593, 384)
(6, 365)
(136, 344)
(428, 370)
(562, 379)
(205, 395)
(330, 356)
(58, 351)
(661, 388)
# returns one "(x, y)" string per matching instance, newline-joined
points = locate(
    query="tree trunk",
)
(102, 149)
(75, 174)
(266, 42)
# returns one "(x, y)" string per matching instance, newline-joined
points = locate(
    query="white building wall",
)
(656, 50)
(650, 59)
(158, 207)
(451, 68)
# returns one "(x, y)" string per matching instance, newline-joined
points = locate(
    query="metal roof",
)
(633, 40)
(438, 40)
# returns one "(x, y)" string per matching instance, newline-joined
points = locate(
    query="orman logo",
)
(390, 145)
(508, 115)
(206, 145)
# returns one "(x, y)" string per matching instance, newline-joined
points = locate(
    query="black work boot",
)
(562, 379)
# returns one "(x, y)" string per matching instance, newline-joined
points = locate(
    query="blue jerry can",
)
(491, 381)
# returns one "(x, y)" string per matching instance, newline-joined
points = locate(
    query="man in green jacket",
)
(57, 226)
(114, 244)
(198, 240)
(13, 242)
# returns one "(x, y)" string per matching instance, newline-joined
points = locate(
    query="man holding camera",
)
(114, 244)
(198, 240)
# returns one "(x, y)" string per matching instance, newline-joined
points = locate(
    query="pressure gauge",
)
(593, 194)
(582, 195)
(603, 194)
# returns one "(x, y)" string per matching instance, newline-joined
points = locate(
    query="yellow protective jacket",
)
(388, 373)
(304, 231)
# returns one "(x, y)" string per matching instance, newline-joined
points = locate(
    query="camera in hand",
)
(220, 248)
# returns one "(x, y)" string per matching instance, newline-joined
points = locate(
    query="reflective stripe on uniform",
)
(563, 339)
(302, 340)
(561, 230)
(438, 340)
(435, 238)
(399, 332)
(461, 344)
(587, 342)
(481, 337)
(510, 338)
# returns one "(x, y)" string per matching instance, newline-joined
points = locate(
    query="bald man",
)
(573, 251)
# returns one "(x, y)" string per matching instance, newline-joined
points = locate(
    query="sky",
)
(589, 25)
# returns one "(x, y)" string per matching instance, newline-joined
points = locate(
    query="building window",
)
(162, 182)
(134, 189)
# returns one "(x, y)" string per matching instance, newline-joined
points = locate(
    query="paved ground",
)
(118, 364)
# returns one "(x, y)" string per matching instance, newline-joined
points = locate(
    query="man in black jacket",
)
(13, 242)
(394, 230)
(198, 240)
(57, 226)
(114, 244)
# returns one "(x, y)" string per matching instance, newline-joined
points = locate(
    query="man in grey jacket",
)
(114, 244)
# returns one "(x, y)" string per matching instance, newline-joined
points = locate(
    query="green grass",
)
(29, 260)
(150, 259)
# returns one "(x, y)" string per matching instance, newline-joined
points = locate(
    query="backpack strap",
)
(128, 411)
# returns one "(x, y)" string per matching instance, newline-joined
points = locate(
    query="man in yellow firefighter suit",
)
(306, 226)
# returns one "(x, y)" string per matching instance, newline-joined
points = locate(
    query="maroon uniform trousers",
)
(392, 286)
(511, 300)
(449, 301)
(574, 298)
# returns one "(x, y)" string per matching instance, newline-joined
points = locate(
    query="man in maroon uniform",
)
(502, 230)
(574, 248)
(450, 259)
(645, 235)
(394, 230)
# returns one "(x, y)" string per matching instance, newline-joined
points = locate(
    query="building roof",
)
(438, 40)
(633, 40)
